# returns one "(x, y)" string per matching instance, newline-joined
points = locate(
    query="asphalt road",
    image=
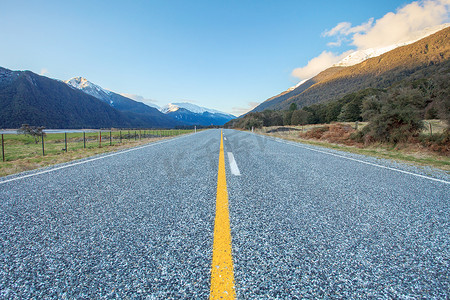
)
(306, 222)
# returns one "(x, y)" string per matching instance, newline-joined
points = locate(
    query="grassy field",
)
(23, 153)
(411, 154)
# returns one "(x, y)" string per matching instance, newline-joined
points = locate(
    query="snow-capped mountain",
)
(361, 55)
(173, 114)
(123, 104)
(90, 88)
(191, 107)
(196, 115)
(415, 60)
(29, 98)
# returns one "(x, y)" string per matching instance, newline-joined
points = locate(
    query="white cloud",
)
(43, 72)
(187, 101)
(406, 24)
(341, 28)
(238, 111)
(149, 102)
(403, 25)
(325, 60)
(338, 43)
(345, 28)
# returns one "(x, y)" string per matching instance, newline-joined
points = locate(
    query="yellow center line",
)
(222, 276)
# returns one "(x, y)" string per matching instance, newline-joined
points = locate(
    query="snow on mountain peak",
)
(82, 83)
(88, 87)
(359, 56)
(297, 85)
(171, 107)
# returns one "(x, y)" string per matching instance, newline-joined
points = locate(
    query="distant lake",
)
(14, 131)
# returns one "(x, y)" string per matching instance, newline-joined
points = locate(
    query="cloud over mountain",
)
(149, 102)
(318, 64)
(239, 110)
(408, 23)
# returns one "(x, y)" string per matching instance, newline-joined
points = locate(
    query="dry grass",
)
(337, 136)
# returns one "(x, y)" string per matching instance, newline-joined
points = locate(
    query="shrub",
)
(437, 142)
(34, 131)
(300, 117)
(395, 118)
(315, 133)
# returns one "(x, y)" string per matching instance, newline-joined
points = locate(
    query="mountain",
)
(134, 109)
(173, 114)
(28, 98)
(192, 114)
(430, 54)
(90, 88)
(359, 56)
(275, 101)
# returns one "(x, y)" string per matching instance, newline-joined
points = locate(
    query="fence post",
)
(100, 139)
(431, 129)
(135, 135)
(110, 138)
(65, 140)
(3, 148)
(43, 147)
(84, 139)
(120, 136)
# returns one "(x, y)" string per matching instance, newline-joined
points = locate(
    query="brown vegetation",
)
(425, 149)
(343, 134)
(334, 133)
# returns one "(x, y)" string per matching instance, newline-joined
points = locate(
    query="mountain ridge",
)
(359, 56)
(196, 115)
(376, 72)
(122, 103)
(25, 97)
(29, 98)
(191, 107)
(190, 114)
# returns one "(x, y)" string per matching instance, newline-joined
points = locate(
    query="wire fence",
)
(20, 146)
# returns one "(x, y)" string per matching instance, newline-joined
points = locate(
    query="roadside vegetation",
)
(410, 120)
(24, 152)
(339, 136)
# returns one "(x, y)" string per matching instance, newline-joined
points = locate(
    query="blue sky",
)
(226, 55)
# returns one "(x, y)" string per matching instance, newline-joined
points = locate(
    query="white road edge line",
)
(89, 160)
(233, 166)
(364, 162)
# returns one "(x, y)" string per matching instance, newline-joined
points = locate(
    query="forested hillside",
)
(417, 60)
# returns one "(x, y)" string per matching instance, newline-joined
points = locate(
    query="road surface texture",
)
(306, 222)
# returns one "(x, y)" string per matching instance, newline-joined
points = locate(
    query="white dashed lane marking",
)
(233, 166)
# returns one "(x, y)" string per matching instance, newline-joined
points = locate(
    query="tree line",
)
(394, 114)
